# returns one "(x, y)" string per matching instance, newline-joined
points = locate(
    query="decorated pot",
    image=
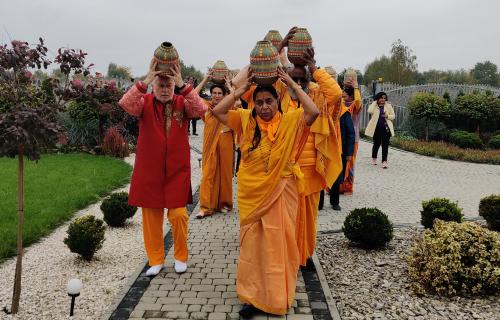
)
(275, 37)
(219, 72)
(331, 71)
(166, 56)
(297, 46)
(264, 61)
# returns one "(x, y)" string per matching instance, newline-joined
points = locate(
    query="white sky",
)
(444, 34)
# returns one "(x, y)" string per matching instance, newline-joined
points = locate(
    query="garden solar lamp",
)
(74, 287)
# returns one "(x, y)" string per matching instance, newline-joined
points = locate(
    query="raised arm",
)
(311, 112)
(222, 108)
(133, 100)
(203, 82)
(328, 86)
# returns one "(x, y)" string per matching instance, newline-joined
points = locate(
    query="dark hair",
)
(349, 91)
(220, 86)
(265, 88)
(256, 134)
(380, 95)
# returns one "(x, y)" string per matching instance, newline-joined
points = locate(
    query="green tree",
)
(379, 68)
(476, 111)
(486, 73)
(428, 107)
(400, 67)
(28, 122)
(191, 71)
(118, 72)
(404, 63)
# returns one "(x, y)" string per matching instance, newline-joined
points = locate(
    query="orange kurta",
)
(320, 161)
(217, 166)
(268, 182)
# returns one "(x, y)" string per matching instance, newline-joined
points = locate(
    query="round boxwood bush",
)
(368, 227)
(466, 140)
(85, 236)
(440, 208)
(489, 209)
(116, 209)
(455, 258)
(495, 142)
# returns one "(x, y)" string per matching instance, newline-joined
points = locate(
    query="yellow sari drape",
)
(267, 201)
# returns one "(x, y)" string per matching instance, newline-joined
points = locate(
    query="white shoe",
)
(154, 270)
(180, 267)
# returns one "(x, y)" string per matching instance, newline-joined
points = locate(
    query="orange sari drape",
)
(268, 182)
(217, 166)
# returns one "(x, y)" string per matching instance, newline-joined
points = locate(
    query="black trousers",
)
(193, 125)
(381, 137)
(334, 190)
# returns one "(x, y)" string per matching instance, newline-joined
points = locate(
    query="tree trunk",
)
(20, 212)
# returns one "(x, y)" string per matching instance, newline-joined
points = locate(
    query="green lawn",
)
(55, 187)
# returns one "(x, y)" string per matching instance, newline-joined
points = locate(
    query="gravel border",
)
(374, 284)
(48, 265)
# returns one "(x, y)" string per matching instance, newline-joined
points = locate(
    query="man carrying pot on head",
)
(162, 171)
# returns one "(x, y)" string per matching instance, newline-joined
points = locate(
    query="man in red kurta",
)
(162, 171)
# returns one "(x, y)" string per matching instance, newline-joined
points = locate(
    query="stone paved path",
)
(410, 179)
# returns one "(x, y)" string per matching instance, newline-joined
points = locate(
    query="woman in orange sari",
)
(216, 188)
(269, 180)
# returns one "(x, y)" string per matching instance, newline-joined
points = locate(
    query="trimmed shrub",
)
(114, 144)
(368, 227)
(85, 236)
(116, 209)
(439, 208)
(466, 140)
(455, 258)
(489, 209)
(495, 142)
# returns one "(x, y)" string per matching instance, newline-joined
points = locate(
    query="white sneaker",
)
(180, 267)
(154, 270)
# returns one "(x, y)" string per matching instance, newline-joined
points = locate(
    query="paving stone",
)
(137, 314)
(147, 306)
(174, 307)
(217, 316)
(203, 287)
(195, 301)
(223, 308)
(171, 300)
(188, 294)
(212, 294)
(193, 281)
(223, 281)
(208, 308)
(229, 295)
(199, 315)
(177, 315)
(153, 314)
(194, 308)
(215, 301)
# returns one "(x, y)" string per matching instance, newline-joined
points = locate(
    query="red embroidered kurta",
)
(162, 170)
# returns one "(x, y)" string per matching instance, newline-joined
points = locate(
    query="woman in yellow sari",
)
(269, 180)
